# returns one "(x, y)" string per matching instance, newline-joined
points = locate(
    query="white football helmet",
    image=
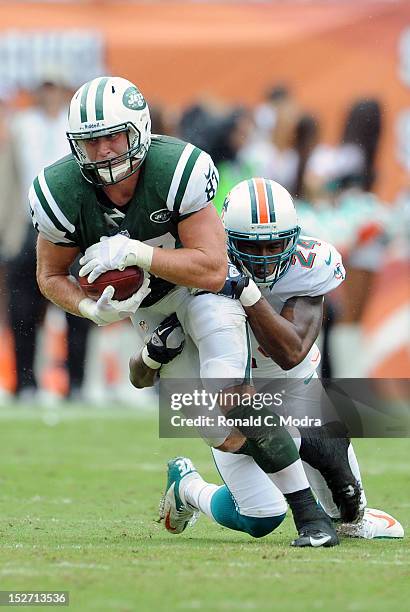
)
(102, 107)
(261, 210)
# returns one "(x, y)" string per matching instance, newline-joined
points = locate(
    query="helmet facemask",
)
(259, 267)
(116, 169)
(260, 213)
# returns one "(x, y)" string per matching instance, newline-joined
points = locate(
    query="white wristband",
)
(86, 308)
(151, 363)
(250, 295)
(140, 255)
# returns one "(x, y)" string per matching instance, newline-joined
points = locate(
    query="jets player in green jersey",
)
(126, 197)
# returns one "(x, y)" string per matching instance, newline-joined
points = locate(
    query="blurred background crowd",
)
(47, 356)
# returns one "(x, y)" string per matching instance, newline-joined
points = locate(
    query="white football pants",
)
(216, 325)
(216, 346)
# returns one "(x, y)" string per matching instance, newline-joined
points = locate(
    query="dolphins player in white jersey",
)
(288, 277)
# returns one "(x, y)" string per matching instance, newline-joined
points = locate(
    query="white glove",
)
(115, 253)
(106, 310)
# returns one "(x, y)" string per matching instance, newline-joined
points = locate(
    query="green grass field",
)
(78, 509)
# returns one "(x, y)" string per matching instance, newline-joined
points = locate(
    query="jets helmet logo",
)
(133, 99)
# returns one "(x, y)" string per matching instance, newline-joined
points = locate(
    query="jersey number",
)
(305, 262)
(211, 183)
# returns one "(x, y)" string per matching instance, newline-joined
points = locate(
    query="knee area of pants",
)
(260, 527)
(215, 369)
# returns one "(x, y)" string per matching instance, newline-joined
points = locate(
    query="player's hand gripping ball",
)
(125, 282)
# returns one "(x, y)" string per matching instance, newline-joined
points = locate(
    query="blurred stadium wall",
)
(328, 52)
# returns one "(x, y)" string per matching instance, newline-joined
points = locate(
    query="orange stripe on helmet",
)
(261, 200)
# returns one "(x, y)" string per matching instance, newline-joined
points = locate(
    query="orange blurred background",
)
(329, 53)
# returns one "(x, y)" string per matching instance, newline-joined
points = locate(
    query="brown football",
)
(125, 283)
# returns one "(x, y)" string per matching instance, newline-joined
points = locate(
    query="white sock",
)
(291, 478)
(198, 493)
(354, 466)
(321, 490)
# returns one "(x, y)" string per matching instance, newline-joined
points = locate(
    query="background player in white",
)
(125, 198)
(285, 320)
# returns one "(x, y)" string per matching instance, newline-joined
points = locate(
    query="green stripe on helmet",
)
(254, 206)
(185, 178)
(271, 205)
(99, 97)
(83, 103)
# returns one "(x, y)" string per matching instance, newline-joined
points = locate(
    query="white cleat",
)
(375, 524)
(173, 510)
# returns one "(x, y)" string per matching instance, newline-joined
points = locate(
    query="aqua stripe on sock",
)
(225, 513)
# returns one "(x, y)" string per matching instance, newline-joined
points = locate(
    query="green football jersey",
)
(175, 180)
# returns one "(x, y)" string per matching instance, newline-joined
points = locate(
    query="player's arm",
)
(141, 375)
(202, 262)
(56, 284)
(53, 276)
(166, 342)
(287, 337)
